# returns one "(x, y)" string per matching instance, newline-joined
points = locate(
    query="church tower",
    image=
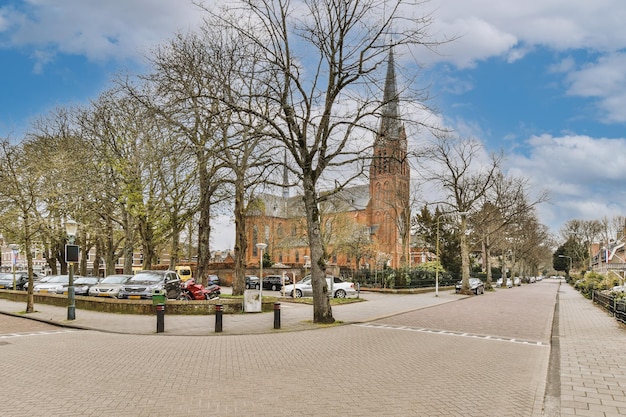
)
(390, 178)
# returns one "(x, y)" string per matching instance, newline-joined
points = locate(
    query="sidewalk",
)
(592, 358)
(293, 316)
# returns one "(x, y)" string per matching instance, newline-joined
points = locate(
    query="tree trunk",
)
(30, 299)
(465, 264)
(322, 311)
(204, 226)
(241, 242)
(487, 251)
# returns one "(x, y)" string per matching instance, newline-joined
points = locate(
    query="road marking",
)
(453, 333)
(40, 333)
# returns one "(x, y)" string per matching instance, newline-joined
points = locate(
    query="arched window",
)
(255, 240)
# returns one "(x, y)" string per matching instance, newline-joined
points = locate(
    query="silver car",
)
(144, 283)
(336, 286)
(51, 284)
(109, 286)
(81, 285)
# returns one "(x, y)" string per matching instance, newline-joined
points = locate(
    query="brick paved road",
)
(482, 356)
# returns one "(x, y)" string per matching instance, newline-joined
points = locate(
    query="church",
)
(364, 226)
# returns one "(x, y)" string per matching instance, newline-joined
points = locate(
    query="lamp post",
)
(261, 247)
(71, 256)
(14, 253)
(437, 256)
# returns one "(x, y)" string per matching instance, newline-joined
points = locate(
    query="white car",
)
(51, 285)
(338, 287)
(109, 286)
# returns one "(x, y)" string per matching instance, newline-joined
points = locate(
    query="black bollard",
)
(160, 309)
(277, 315)
(218, 318)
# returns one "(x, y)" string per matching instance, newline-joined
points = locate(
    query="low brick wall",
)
(111, 305)
(405, 290)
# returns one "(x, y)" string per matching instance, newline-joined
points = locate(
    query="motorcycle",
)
(192, 291)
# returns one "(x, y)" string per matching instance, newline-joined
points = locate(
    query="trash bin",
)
(158, 297)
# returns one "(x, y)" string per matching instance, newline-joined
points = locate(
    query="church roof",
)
(348, 199)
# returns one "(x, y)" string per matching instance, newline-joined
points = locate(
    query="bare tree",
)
(319, 114)
(586, 232)
(181, 93)
(507, 198)
(245, 150)
(455, 165)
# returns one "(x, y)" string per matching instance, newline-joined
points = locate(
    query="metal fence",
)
(615, 306)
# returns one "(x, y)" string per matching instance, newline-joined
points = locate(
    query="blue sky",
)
(544, 80)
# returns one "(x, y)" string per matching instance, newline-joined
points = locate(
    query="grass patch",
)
(333, 301)
(324, 325)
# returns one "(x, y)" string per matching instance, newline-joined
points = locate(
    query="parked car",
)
(109, 286)
(252, 282)
(21, 280)
(144, 283)
(517, 282)
(51, 284)
(213, 280)
(476, 285)
(275, 282)
(337, 287)
(81, 285)
(38, 280)
(509, 283)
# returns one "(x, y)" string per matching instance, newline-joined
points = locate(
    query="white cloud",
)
(604, 79)
(583, 175)
(99, 30)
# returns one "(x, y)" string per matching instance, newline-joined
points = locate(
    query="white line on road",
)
(451, 333)
(41, 333)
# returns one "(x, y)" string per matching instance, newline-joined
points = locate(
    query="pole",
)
(160, 310)
(14, 253)
(261, 280)
(438, 263)
(71, 302)
(218, 318)
(13, 269)
(276, 315)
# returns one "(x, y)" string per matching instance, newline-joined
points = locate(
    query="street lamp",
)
(437, 256)
(261, 247)
(71, 256)
(14, 253)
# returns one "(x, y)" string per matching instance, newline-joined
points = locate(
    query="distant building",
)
(364, 226)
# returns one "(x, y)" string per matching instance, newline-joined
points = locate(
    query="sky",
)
(543, 80)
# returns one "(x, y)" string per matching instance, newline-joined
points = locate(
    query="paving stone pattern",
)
(395, 355)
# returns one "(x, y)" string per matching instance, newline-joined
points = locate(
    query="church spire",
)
(390, 95)
(390, 126)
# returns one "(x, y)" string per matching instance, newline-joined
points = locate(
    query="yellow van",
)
(184, 272)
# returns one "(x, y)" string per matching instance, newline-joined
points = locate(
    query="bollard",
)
(160, 309)
(277, 315)
(218, 318)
